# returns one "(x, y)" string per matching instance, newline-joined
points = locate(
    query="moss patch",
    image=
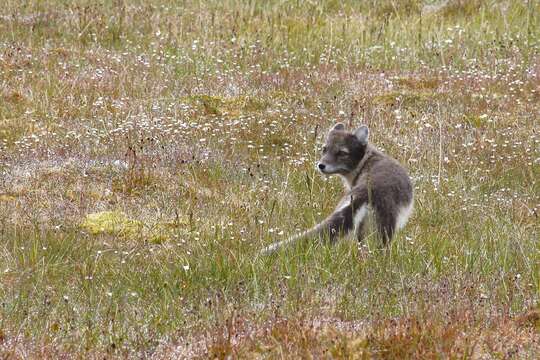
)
(7, 198)
(112, 223)
(119, 224)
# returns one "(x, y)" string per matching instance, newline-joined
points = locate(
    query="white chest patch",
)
(403, 215)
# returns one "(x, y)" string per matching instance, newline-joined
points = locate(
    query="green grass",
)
(198, 124)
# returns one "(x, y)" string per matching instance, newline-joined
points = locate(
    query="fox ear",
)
(338, 126)
(362, 134)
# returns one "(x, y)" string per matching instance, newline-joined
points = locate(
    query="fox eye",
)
(324, 149)
(341, 153)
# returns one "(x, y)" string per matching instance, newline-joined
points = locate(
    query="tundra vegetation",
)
(149, 150)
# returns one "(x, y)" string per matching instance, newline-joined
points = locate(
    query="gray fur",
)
(338, 126)
(372, 180)
(362, 134)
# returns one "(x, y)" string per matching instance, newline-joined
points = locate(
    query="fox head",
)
(343, 150)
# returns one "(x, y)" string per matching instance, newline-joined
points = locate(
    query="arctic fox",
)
(373, 181)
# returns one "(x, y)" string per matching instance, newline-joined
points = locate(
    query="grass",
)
(148, 151)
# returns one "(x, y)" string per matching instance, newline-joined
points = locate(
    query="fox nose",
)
(321, 166)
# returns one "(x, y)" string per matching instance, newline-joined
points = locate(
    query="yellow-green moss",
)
(112, 223)
(119, 224)
(7, 198)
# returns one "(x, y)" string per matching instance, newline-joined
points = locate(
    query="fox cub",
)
(373, 181)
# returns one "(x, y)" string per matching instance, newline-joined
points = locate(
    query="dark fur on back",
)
(388, 187)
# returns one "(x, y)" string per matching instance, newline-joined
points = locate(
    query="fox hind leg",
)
(386, 224)
(360, 231)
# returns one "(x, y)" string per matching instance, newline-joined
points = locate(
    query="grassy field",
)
(150, 149)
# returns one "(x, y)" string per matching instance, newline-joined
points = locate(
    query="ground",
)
(150, 150)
